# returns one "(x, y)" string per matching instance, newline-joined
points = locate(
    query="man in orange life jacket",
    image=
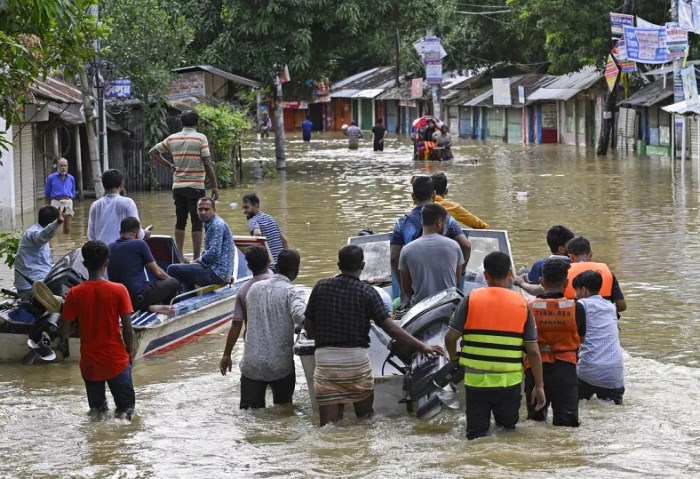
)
(561, 326)
(579, 250)
(495, 324)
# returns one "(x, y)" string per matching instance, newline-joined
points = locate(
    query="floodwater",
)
(641, 215)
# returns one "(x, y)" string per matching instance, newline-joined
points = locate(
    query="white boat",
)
(204, 310)
(407, 381)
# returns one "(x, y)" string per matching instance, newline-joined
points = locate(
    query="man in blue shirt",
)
(261, 224)
(409, 228)
(60, 191)
(215, 265)
(129, 258)
(306, 127)
(33, 260)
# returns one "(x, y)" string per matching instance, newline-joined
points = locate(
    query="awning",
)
(347, 93)
(682, 108)
(480, 98)
(372, 93)
(553, 94)
(649, 95)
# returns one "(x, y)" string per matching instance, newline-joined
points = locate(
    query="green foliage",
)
(145, 44)
(38, 37)
(224, 126)
(9, 244)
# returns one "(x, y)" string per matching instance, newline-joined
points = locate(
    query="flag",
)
(284, 75)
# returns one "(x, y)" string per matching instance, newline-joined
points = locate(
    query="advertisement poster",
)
(620, 52)
(433, 73)
(611, 72)
(676, 41)
(646, 45)
(416, 88)
(690, 87)
(501, 91)
(619, 20)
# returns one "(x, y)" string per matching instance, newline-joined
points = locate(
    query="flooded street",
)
(640, 214)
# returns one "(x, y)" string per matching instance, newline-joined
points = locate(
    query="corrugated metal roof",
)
(57, 90)
(372, 93)
(379, 78)
(221, 73)
(480, 98)
(565, 87)
(347, 93)
(682, 108)
(650, 94)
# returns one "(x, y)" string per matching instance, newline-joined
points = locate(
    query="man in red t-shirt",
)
(105, 351)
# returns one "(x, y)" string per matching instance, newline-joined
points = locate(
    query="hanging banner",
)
(619, 20)
(690, 87)
(676, 41)
(641, 23)
(620, 54)
(689, 15)
(646, 45)
(433, 73)
(611, 72)
(417, 88)
(501, 91)
(429, 43)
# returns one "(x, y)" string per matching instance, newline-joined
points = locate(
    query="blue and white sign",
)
(646, 45)
(118, 89)
(618, 21)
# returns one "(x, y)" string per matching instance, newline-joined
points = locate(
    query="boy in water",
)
(106, 352)
(600, 365)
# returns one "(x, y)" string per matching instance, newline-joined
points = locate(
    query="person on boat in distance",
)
(338, 318)
(600, 366)
(432, 263)
(495, 324)
(129, 257)
(107, 213)
(580, 252)
(191, 165)
(261, 224)
(561, 326)
(215, 266)
(274, 307)
(409, 228)
(60, 191)
(259, 263)
(33, 258)
(106, 347)
(455, 210)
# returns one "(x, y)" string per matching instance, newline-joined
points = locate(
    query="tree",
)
(38, 37)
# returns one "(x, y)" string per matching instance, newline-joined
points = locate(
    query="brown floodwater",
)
(641, 215)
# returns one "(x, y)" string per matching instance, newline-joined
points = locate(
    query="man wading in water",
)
(338, 317)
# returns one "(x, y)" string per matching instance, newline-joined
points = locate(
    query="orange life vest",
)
(492, 343)
(557, 332)
(580, 267)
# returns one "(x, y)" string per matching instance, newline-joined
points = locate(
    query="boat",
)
(29, 331)
(405, 381)
(428, 150)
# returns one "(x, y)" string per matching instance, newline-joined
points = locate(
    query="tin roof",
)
(565, 87)
(650, 94)
(379, 78)
(221, 73)
(53, 89)
(371, 93)
(682, 108)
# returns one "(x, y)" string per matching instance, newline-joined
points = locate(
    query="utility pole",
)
(280, 159)
(677, 93)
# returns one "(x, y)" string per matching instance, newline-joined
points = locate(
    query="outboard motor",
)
(427, 378)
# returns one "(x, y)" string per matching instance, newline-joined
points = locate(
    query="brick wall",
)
(191, 83)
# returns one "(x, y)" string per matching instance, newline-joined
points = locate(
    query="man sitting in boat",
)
(33, 260)
(130, 257)
(432, 263)
(409, 228)
(580, 252)
(457, 211)
(338, 317)
(215, 265)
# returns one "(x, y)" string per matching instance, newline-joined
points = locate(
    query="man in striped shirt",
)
(261, 224)
(191, 163)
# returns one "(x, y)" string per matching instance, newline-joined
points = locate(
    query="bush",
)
(224, 126)
(9, 244)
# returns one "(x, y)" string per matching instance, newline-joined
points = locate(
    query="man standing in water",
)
(306, 127)
(380, 135)
(60, 191)
(273, 308)
(495, 324)
(106, 346)
(191, 163)
(261, 224)
(354, 134)
(338, 317)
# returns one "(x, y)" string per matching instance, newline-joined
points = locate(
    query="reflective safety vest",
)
(580, 267)
(492, 344)
(557, 332)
